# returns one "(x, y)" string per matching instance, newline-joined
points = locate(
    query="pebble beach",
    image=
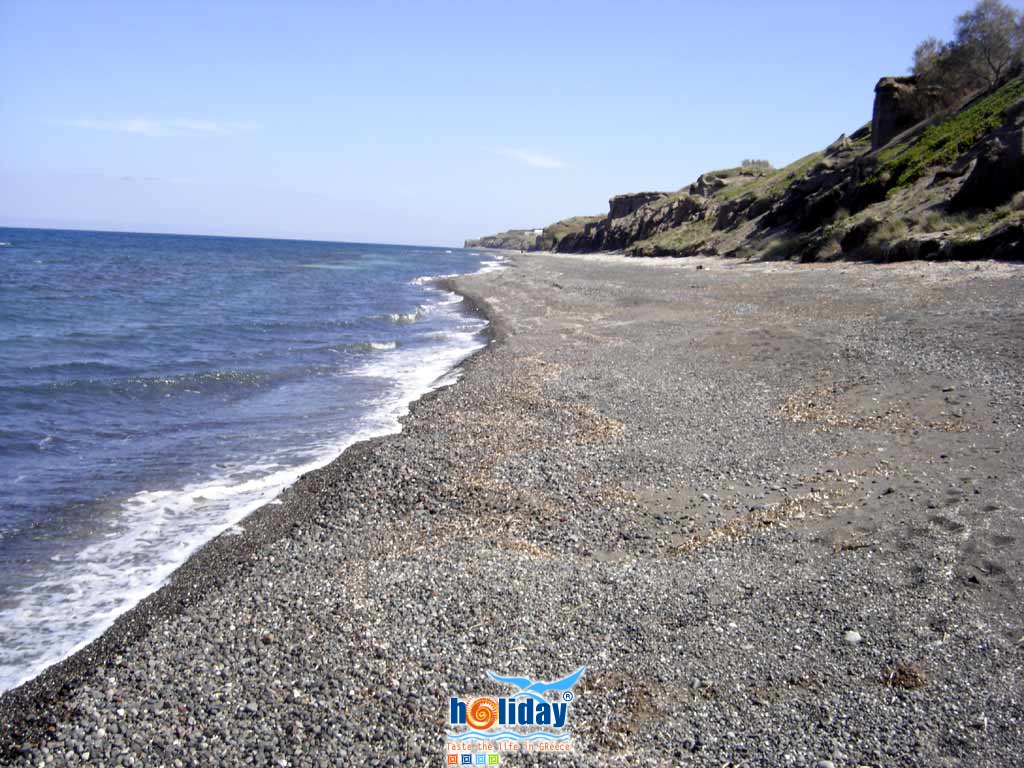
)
(775, 509)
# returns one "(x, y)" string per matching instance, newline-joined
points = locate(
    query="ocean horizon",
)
(157, 388)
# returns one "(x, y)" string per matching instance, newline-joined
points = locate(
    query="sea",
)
(156, 389)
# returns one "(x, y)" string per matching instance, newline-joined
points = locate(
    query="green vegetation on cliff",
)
(560, 230)
(772, 184)
(685, 239)
(943, 142)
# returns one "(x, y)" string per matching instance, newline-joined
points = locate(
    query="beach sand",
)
(776, 510)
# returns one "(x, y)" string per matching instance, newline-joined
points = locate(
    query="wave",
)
(415, 368)
(49, 440)
(432, 280)
(407, 318)
(152, 386)
(150, 534)
(134, 543)
(404, 319)
(153, 533)
(90, 366)
(494, 265)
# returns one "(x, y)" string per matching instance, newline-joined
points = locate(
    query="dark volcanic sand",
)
(777, 511)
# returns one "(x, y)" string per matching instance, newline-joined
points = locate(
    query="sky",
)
(417, 122)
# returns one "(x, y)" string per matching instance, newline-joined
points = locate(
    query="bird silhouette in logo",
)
(528, 687)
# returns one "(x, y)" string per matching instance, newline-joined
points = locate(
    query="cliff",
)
(512, 240)
(947, 186)
(896, 109)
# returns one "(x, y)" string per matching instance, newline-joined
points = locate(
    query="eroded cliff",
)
(950, 185)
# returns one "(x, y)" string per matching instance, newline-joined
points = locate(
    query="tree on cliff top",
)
(988, 44)
(991, 35)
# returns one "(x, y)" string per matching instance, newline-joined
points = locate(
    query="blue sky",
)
(419, 122)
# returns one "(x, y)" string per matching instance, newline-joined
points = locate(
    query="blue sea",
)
(155, 389)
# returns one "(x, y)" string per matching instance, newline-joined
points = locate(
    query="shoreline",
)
(773, 510)
(228, 552)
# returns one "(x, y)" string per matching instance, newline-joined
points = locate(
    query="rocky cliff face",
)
(895, 109)
(998, 172)
(623, 205)
(636, 217)
(512, 240)
(950, 186)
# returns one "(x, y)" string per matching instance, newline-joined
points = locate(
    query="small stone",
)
(824, 764)
(852, 637)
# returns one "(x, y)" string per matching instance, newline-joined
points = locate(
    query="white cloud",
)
(532, 159)
(176, 127)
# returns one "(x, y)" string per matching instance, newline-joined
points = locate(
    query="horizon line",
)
(233, 237)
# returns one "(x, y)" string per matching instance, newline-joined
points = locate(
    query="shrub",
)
(756, 166)
(883, 240)
(932, 221)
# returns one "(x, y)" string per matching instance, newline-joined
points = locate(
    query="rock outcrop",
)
(895, 110)
(512, 240)
(998, 173)
(617, 232)
(623, 205)
(706, 185)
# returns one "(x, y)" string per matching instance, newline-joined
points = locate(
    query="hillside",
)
(946, 186)
(512, 240)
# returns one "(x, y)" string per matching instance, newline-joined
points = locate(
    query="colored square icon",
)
(493, 759)
(467, 759)
(481, 759)
(453, 759)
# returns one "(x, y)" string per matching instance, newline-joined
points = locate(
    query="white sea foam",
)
(430, 279)
(493, 265)
(155, 531)
(404, 319)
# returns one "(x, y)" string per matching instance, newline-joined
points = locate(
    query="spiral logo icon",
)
(482, 713)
